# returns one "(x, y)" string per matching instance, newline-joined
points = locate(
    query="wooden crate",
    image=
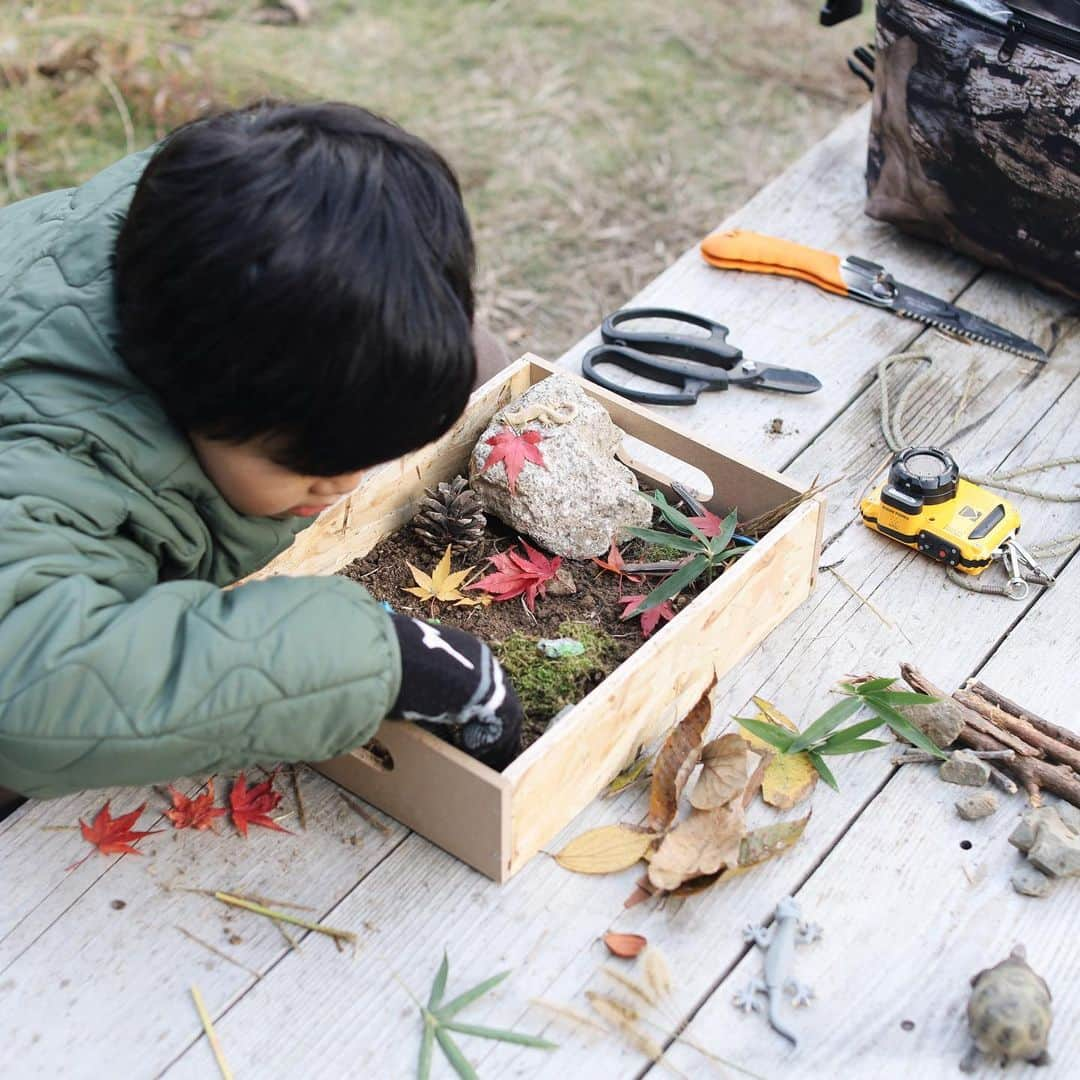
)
(497, 822)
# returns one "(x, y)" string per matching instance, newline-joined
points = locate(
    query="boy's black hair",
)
(304, 273)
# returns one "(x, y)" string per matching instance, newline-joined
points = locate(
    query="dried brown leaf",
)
(676, 761)
(604, 850)
(626, 946)
(753, 785)
(702, 844)
(723, 772)
(642, 891)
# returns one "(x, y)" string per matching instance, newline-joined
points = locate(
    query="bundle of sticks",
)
(1044, 756)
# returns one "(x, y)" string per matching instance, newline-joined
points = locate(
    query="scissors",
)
(689, 361)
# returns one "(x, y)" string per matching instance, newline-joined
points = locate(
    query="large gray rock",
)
(1050, 844)
(578, 500)
(1029, 882)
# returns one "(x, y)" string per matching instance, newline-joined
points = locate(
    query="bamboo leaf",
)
(871, 686)
(500, 1035)
(452, 1008)
(902, 697)
(720, 541)
(904, 727)
(677, 519)
(672, 540)
(770, 733)
(824, 771)
(454, 1055)
(854, 732)
(831, 718)
(438, 987)
(427, 1047)
(849, 746)
(673, 585)
(630, 775)
(604, 850)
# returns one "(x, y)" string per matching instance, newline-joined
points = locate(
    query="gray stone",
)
(581, 497)
(981, 804)
(1023, 836)
(1029, 882)
(963, 767)
(1069, 814)
(1056, 850)
(941, 722)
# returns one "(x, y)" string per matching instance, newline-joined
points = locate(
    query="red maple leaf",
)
(708, 524)
(513, 451)
(649, 619)
(112, 836)
(252, 805)
(519, 575)
(614, 564)
(197, 813)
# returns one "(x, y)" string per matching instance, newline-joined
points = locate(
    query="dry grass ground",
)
(595, 139)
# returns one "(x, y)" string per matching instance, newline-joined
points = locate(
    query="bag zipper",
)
(1020, 27)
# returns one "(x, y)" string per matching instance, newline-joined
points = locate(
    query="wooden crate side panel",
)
(436, 790)
(563, 771)
(735, 482)
(387, 496)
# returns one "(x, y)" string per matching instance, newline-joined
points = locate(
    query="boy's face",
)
(253, 483)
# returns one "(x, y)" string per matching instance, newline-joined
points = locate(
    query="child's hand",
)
(450, 680)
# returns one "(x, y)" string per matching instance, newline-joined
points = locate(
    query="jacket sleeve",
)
(99, 687)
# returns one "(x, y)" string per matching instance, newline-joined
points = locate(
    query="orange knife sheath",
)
(743, 250)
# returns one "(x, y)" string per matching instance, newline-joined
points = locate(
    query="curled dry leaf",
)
(705, 842)
(676, 760)
(643, 890)
(604, 850)
(723, 772)
(625, 945)
(788, 778)
(759, 845)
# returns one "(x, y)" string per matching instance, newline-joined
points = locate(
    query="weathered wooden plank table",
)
(95, 971)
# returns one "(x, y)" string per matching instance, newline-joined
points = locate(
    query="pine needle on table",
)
(281, 916)
(211, 1034)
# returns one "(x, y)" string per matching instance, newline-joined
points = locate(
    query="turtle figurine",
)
(1009, 1014)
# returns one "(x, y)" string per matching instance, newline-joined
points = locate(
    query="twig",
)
(654, 567)
(920, 757)
(218, 952)
(356, 808)
(319, 928)
(243, 896)
(211, 1034)
(290, 940)
(301, 811)
(1052, 748)
(121, 106)
(865, 600)
(757, 526)
(58, 828)
(1069, 738)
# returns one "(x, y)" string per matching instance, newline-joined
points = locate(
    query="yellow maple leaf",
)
(789, 778)
(441, 584)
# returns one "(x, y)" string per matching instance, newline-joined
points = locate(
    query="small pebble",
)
(981, 804)
(1027, 881)
(963, 767)
(118, 905)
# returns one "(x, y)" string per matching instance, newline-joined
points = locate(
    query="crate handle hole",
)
(375, 756)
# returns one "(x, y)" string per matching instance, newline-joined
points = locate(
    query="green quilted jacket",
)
(122, 660)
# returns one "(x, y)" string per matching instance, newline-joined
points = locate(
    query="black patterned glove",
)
(452, 685)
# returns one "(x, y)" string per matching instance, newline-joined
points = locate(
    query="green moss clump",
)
(546, 685)
(659, 553)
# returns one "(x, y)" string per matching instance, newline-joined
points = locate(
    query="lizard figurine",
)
(778, 942)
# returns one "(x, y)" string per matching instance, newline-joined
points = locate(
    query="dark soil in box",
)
(550, 684)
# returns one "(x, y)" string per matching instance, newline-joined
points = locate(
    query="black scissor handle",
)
(692, 378)
(713, 349)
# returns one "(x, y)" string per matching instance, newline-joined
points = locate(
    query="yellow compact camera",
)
(926, 505)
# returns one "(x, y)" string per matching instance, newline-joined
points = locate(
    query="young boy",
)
(200, 349)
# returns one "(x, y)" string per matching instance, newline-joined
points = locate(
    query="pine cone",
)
(450, 514)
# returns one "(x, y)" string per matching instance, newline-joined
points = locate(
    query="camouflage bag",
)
(975, 136)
